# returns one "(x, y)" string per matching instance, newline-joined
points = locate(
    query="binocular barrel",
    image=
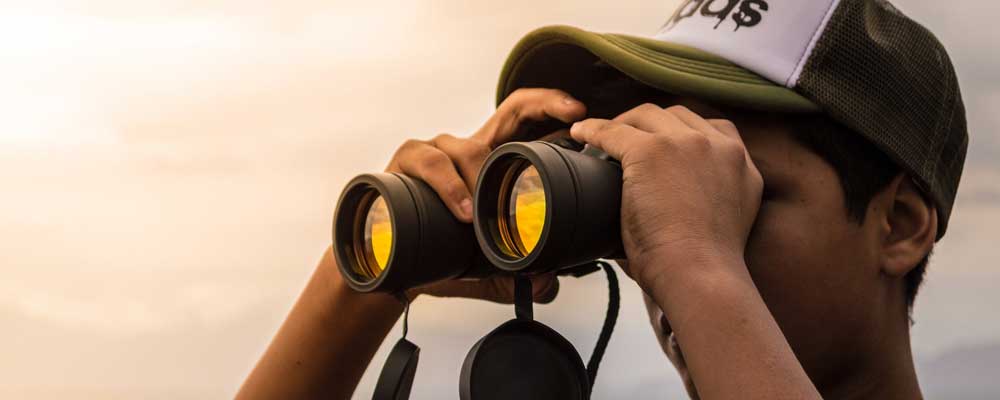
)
(540, 207)
(392, 232)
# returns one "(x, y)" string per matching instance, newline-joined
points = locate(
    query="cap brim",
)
(558, 56)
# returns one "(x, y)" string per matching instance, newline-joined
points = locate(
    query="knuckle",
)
(602, 125)
(662, 142)
(698, 141)
(511, 109)
(443, 137)
(557, 93)
(455, 188)
(518, 94)
(408, 145)
(514, 104)
(451, 189)
(406, 151)
(723, 125)
(736, 147)
(518, 97)
(642, 109)
(507, 104)
(734, 152)
(648, 108)
(677, 108)
(551, 94)
(617, 129)
(433, 159)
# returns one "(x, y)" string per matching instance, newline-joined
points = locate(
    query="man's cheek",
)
(773, 249)
(762, 241)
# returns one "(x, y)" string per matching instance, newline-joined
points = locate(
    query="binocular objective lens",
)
(377, 239)
(524, 209)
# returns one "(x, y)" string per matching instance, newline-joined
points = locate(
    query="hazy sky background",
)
(169, 169)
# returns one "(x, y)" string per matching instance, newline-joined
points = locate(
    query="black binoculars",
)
(538, 207)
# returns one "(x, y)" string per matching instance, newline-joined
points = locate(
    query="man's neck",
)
(888, 373)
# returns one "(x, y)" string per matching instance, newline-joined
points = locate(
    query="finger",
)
(726, 127)
(690, 118)
(498, 289)
(544, 288)
(614, 138)
(529, 104)
(652, 118)
(468, 155)
(713, 126)
(485, 289)
(429, 164)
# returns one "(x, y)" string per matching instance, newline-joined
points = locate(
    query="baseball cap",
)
(861, 62)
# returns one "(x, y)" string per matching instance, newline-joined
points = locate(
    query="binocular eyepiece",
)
(538, 207)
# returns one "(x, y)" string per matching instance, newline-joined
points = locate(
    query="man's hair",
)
(863, 169)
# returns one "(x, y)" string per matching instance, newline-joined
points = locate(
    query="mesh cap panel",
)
(889, 79)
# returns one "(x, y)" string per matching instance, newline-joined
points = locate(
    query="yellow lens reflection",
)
(378, 237)
(527, 210)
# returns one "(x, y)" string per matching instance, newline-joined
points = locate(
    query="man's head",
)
(852, 113)
(842, 237)
(862, 170)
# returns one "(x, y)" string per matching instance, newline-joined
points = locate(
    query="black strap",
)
(614, 302)
(396, 378)
(523, 307)
(406, 311)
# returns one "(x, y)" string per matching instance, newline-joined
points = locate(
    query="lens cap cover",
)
(523, 359)
(396, 379)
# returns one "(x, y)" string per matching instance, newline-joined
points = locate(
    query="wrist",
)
(677, 270)
(709, 289)
(342, 296)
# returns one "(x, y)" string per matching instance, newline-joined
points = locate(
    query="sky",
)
(169, 171)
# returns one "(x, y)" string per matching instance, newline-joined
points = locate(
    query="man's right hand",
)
(450, 165)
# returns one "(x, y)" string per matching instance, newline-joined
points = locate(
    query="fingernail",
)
(575, 128)
(569, 100)
(466, 207)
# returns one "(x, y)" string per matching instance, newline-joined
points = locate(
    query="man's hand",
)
(689, 187)
(450, 165)
(689, 199)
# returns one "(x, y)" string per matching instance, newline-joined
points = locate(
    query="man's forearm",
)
(731, 343)
(326, 342)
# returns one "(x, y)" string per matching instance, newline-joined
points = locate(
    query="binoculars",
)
(537, 207)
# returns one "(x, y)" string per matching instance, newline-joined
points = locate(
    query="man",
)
(788, 166)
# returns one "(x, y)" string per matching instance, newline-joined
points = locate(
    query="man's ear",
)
(909, 226)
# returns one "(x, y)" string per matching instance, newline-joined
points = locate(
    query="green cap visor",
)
(561, 57)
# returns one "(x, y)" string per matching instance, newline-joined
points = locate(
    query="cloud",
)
(170, 169)
(967, 372)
